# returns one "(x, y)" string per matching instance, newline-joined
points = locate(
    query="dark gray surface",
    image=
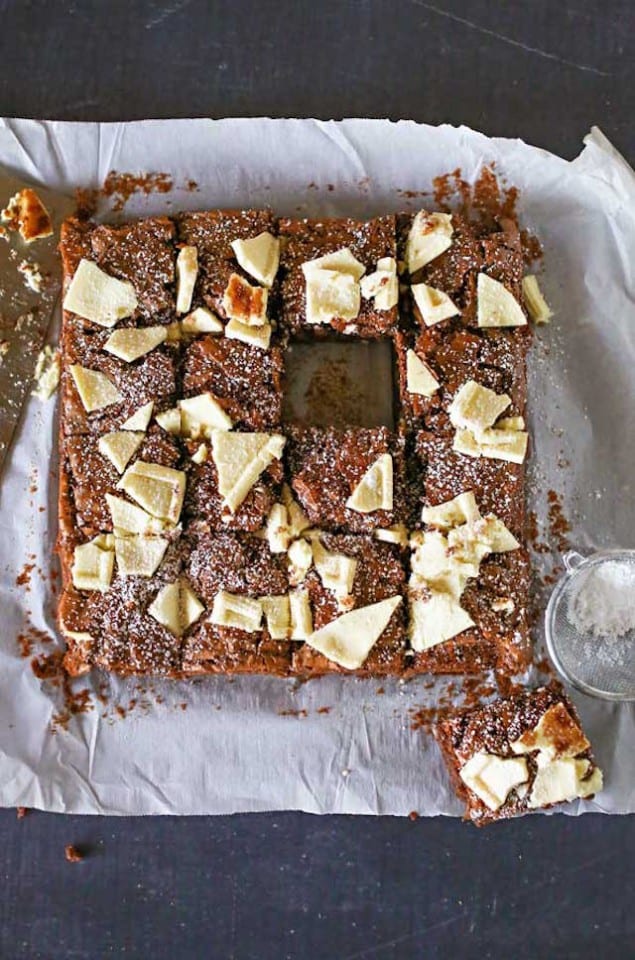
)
(293, 886)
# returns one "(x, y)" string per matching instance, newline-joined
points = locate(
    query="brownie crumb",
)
(21, 812)
(413, 815)
(73, 854)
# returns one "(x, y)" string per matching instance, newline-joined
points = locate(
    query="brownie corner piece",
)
(370, 246)
(518, 754)
(330, 469)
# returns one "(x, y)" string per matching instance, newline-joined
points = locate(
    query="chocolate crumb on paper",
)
(73, 854)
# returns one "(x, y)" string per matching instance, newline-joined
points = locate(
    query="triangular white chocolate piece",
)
(496, 306)
(95, 389)
(120, 447)
(129, 519)
(186, 272)
(349, 639)
(419, 377)
(240, 458)
(139, 556)
(259, 257)
(140, 418)
(159, 490)
(176, 607)
(375, 490)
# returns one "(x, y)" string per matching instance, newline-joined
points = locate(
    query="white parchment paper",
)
(261, 743)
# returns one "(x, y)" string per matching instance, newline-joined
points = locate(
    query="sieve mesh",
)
(597, 662)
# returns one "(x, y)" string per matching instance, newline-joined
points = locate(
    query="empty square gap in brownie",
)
(338, 384)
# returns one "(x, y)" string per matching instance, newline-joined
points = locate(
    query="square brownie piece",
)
(497, 602)
(114, 630)
(89, 476)
(241, 565)
(306, 240)
(141, 252)
(514, 755)
(247, 382)
(454, 355)
(325, 466)
(153, 377)
(497, 484)
(212, 233)
(203, 500)
(379, 574)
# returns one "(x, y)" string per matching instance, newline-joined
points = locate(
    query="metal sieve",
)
(594, 661)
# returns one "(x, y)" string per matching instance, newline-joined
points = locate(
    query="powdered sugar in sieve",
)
(590, 624)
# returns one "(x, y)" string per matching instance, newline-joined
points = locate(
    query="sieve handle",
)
(572, 559)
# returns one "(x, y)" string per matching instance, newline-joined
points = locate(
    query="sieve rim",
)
(575, 562)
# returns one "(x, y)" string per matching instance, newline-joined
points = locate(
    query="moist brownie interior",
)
(201, 533)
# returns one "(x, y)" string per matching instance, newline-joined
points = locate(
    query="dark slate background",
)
(271, 887)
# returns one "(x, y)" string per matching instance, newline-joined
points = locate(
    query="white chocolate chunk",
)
(298, 521)
(492, 778)
(139, 556)
(130, 343)
(336, 570)
(245, 303)
(201, 454)
(278, 533)
(382, 285)
(556, 735)
(434, 305)
(129, 519)
(539, 309)
(509, 445)
(301, 617)
(436, 620)
(461, 509)
(437, 568)
(95, 389)
(201, 320)
(140, 418)
(561, 780)
(300, 556)
(176, 607)
(375, 490)
(419, 377)
(234, 610)
(476, 407)
(430, 235)
(259, 257)
(96, 296)
(120, 447)
(493, 532)
(341, 261)
(202, 414)
(47, 373)
(170, 421)
(277, 613)
(159, 490)
(186, 273)
(240, 458)
(331, 296)
(398, 534)
(496, 306)
(93, 564)
(348, 639)
(254, 336)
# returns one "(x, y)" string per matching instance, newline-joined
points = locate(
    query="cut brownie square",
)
(306, 240)
(153, 377)
(326, 467)
(496, 601)
(247, 382)
(90, 475)
(454, 355)
(444, 474)
(114, 629)
(514, 755)
(243, 566)
(379, 574)
(212, 233)
(203, 500)
(142, 253)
